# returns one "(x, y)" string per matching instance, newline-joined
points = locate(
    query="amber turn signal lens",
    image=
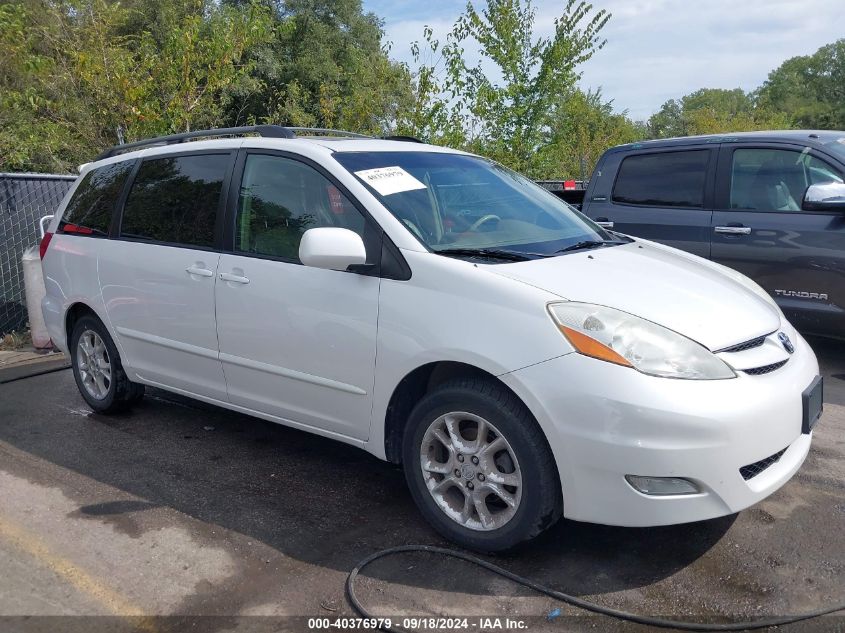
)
(591, 347)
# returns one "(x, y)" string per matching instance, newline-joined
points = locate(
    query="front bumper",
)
(604, 421)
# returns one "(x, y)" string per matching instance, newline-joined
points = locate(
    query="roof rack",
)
(267, 131)
(326, 131)
(402, 137)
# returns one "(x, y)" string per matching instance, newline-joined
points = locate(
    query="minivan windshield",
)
(466, 205)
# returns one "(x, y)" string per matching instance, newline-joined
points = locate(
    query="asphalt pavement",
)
(179, 515)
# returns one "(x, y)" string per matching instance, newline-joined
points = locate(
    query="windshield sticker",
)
(389, 180)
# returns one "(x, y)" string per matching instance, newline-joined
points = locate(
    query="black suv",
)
(769, 204)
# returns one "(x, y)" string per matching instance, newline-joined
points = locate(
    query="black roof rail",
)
(400, 137)
(327, 131)
(269, 131)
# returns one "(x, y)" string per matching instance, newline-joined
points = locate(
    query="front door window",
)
(774, 179)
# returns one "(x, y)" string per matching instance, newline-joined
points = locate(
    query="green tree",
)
(82, 79)
(504, 112)
(584, 127)
(810, 89)
(438, 109)
(188, 74)
(325, 67)
(668, 121)
(713, 111)
(21, 97)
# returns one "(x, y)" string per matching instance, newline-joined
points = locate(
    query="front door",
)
(296, 343)
(760, 229)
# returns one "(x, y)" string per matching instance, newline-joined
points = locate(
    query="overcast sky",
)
(659, 49)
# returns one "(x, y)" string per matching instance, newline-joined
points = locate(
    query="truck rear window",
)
(89, 211)
(666, 179)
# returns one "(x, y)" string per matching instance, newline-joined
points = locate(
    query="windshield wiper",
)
(492, 253)
(588, 244)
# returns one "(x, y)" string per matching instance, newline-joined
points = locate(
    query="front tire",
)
(97, 368)
(479, 467)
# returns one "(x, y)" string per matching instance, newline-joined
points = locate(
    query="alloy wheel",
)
(471, 471)
(92, 359)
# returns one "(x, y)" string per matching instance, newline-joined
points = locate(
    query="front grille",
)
(752, 470)
(741, 347)
(765, 369)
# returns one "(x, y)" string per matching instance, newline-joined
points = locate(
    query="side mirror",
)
(332, 248)
(825, 196)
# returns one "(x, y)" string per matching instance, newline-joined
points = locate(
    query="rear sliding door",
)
(158, 276)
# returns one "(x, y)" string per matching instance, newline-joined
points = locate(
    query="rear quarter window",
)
(667, 179)
(89, 211)
(176, 199)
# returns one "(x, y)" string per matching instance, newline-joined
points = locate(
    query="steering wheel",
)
(482, 220)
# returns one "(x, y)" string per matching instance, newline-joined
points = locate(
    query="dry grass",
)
(15, 341)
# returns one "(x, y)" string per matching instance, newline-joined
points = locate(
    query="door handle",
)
(733, 230)
(200, 272)
(236, 279)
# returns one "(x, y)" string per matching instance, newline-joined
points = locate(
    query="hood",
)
(682, 292)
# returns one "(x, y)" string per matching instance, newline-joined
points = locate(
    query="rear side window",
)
(176, 200)
(90, 209)
(670, 179)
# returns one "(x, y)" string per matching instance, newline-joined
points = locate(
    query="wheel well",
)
(74, 313)
(411, 389)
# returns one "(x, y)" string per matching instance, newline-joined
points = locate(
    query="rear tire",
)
(97, 368)
(488, 491)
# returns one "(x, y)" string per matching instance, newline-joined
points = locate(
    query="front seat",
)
(769, 190)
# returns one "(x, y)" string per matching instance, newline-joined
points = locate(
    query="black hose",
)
(569, 599)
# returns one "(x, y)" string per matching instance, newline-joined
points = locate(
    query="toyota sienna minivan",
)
(442, 312)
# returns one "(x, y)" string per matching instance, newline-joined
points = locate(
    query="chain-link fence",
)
(24, 199)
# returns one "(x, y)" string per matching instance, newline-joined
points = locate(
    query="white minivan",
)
(437, 310)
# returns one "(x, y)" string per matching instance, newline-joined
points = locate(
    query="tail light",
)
(45, 242)
(75, 228)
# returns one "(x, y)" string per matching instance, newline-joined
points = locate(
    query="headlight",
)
(618, 337)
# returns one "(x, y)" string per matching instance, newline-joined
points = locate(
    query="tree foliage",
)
(97, 80)
(803, 92)
(503, 105)
(713, 111)
(585, 125)
(810, 89)
(325, 67)
(81, 75)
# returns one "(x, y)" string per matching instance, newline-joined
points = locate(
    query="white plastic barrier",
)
(34, 284)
